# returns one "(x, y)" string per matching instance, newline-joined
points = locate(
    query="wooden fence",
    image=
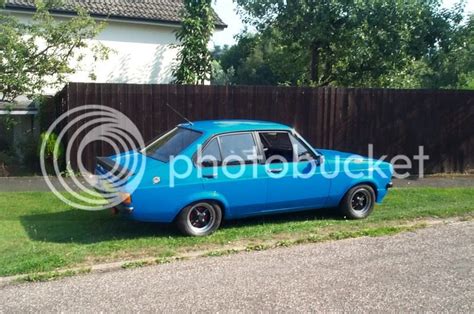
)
(347, 119)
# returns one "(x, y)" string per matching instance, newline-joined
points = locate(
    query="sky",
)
(226, 10)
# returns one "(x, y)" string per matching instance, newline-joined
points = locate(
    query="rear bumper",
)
(122, 209)
(102, 186)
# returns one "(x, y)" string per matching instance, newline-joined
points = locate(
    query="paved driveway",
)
(430, 270)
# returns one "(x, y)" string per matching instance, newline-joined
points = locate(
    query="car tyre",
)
(199, 219)
(358, 202)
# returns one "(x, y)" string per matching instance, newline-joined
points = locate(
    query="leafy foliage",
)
(379, 43)
(194, 59)
(53, 150)
(261, 60)
(453, 65)
(39, 54)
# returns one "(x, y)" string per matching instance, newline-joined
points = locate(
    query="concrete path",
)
(441, 181)
(18, 184)
(35, 184)
(430, 270)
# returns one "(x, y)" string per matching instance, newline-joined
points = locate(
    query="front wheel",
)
(358, 202)
(199, 219)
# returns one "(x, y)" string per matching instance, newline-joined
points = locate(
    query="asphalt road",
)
(430, 270)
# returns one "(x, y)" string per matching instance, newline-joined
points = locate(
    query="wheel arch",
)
(206, 197)
(369, 183)
(361, 182)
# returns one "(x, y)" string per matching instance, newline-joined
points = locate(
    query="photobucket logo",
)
(85, 125)
(304, 165)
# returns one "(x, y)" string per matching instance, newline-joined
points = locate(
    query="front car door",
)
(295, 180)
(232, 168)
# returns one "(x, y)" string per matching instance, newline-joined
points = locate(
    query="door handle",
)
(277, 170)
(209, 176)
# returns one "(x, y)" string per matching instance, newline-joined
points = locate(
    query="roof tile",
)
(165, 11)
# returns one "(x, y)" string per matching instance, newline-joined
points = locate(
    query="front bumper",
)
(389, 185)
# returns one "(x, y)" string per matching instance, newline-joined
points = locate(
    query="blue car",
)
(203, 172)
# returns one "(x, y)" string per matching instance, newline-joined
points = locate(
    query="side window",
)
(277, 146)
(236, 148)
(211, 155)
(300, 151)
(284, 147)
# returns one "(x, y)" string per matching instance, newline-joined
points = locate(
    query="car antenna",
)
(179, 114)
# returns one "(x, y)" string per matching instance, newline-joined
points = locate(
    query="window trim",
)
(255, 133)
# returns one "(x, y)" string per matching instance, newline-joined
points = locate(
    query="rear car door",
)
(232, 169)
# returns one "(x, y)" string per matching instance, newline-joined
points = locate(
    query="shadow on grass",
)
(86, 227)
(77, 226)
(277, 218)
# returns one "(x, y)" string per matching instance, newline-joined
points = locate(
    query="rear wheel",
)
(199, 219)
(358, 202)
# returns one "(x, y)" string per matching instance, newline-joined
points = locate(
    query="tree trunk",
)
(315, 63)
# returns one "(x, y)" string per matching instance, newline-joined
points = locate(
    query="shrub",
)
(53, 152)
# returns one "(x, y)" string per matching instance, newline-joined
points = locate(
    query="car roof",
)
(225, 126)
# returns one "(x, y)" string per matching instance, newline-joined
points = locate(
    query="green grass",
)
(38, 233)
(52, 275)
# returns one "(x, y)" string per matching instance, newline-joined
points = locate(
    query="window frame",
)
(259, 145)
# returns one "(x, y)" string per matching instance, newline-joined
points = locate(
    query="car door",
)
(294, 175)
(232, 169)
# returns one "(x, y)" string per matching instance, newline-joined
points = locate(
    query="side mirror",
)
(319, 160)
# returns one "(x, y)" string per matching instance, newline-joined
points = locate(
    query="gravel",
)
(427, 270)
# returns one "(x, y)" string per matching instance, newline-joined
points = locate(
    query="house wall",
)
(142, 53)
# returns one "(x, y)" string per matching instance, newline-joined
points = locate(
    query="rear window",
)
(171, 144)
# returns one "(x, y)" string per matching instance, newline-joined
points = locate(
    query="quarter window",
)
(211, 155)
(300, 151)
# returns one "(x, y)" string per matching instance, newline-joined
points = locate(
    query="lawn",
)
(39, 233)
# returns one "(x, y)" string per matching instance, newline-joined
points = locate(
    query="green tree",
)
(261, 59)
(452, 66)
(219, 76)
(39, 54)
(355, 42)
(194, 58)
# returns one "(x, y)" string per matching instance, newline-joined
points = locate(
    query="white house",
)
(140, 33)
